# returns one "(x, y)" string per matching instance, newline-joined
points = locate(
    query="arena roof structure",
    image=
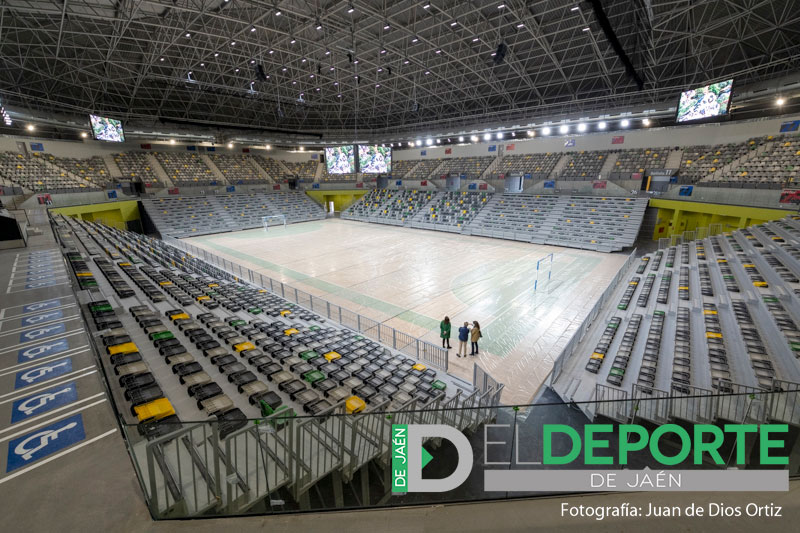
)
(381, 67)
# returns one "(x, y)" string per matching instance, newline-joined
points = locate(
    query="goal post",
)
(272, 220)
(544, 270)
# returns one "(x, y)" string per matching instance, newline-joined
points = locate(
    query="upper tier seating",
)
(401, 168)
(638, 161)
(304, 170)
(185, 169)
(424, 170)
(34, 174)
(181, 216)
(237, 169)
(472, 167)
(539, 166)
(700, 161)
(735, 302)
(776, 167)
(584, 166)
(351, 176)
(93, 169)
(136, 166)
(388, 206)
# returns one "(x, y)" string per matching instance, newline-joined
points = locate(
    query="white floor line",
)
(48, 416)
(23, 393)
(56, 456)
(36, 362)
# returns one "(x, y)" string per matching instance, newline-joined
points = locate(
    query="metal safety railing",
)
(576, 338)
(409, 345)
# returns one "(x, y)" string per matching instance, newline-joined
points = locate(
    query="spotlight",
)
(253, 29)
(172, 141)
(563, 129)
(415, 39)
(646, 121)
(531, 133)
(474, 138)
(520, 25)
(319, 26)
(162, 59)
(487, 136)
(233, 43)
(426, 6)
(438, 141)
(454, 23)
(269, 147)
(546, 131)
(293, 40)
(216, 54)
(302, 148)
(461, 138)
(513, 134)
(410, 143)
(31, 127)
(188, 35)
(277, 13)
(386, 26)
(427, 72)
(350, 9)
(581, 127)
(428, 141)
(475, 39)
(780, 101)
(230, 145)
(601, 125)
(625, 123)
(84, 134)
(501, 6)
(499, 134)
(419, 142)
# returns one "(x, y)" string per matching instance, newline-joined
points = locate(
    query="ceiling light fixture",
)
(563, 129)
(601, 125)
(84, 134)
(487, 136)
(646, 121)
(419, 142)
(531, 133)
(581, 127)
(780, 101)
(474, 138)
(428, 141)
(625, 123)
(188, 35)
(172, 141)
(499, 135)
(230, 145)
(461, 138)
(546, 130)
(351, 9)
(253, 29)
(585, 29)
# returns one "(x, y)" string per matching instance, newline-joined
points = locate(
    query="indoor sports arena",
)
(406, 266)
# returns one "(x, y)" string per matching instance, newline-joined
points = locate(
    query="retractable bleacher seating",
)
(185, 169)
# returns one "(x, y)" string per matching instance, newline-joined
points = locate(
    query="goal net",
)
(273, 220)
(544, 270)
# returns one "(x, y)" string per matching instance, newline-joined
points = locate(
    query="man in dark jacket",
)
(463, 337)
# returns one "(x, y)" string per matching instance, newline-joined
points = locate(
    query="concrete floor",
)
(410, 279)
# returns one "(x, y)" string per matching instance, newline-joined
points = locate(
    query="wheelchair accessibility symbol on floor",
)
(42, 350)
(44, 441)
(44, 317)
(43, 401)
(41, 333)
(42, 372)
(38, 306)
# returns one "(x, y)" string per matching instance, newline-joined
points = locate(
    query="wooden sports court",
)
(410, 279)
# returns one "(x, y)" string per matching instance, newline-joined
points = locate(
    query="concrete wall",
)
(717, 133)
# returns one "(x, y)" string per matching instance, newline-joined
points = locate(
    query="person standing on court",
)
(474, 335)
(444, 332)
(463, 337)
